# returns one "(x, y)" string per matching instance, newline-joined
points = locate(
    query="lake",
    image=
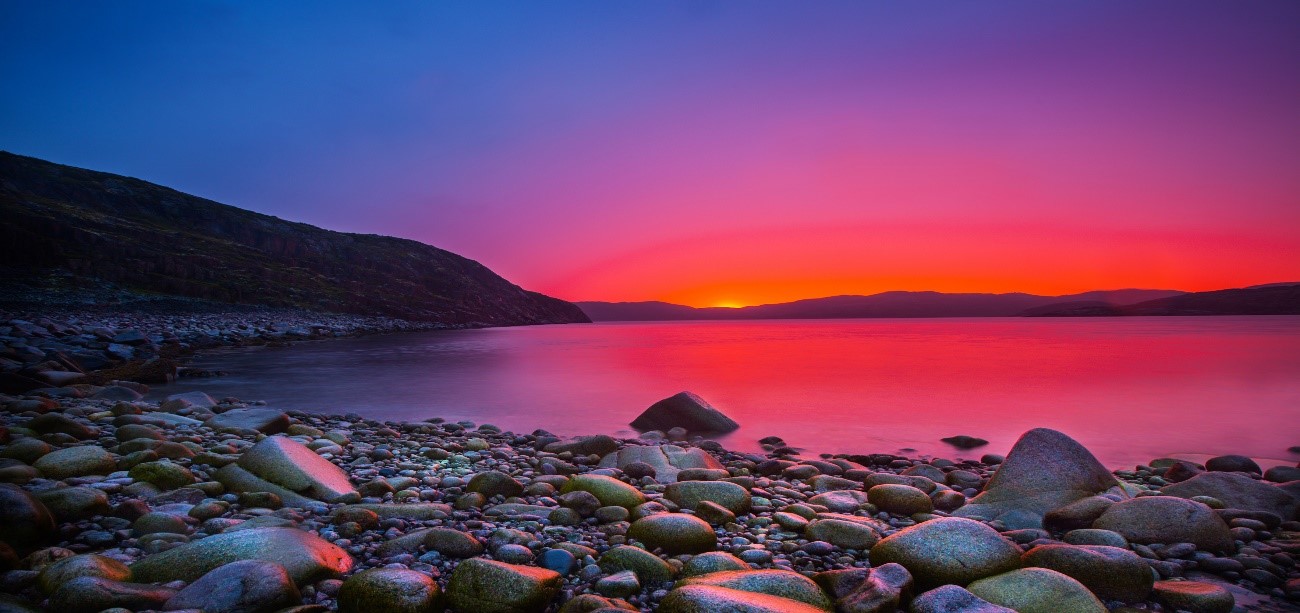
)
(1130, 389)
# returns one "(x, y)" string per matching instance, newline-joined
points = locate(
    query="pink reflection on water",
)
(1130, 389)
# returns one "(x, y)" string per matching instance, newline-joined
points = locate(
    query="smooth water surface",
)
(1131, 389)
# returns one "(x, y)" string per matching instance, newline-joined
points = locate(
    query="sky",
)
(707, 153)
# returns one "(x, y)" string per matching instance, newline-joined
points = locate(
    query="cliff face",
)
(152, 239)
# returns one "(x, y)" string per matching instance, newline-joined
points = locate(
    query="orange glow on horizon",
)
(746, 268)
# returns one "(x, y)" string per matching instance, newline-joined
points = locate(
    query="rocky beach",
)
(216, 504)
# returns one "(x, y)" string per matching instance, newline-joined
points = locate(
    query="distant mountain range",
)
(1274, 299)
(98, 229)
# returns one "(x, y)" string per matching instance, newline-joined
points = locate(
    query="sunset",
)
(678, 306)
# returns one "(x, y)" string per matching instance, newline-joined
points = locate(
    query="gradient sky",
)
(707, 153)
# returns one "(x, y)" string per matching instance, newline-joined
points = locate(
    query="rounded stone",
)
(947, 550)
(953, 599)
(649, 568)
(165, 474)
(73, 503)
(1194, 596)
(900, 499)
(1166, 519)
(712, 562)
(494, 483)
(781, 583)
(389, 589)
(608, 490)
(712, 599)
(247, 586)
(674, 533)
(304, 555)
(87, 565)
(1095, 536)
(24, 520)
(496, 587)
(76, 462)
(842, 533)
(1037, 590)
(689, 494)
(1109, 572)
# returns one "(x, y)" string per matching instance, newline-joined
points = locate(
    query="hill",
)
(1271, 299)
(886, 304)
(105, 230)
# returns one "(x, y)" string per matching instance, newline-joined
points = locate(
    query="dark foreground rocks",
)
(124, 504)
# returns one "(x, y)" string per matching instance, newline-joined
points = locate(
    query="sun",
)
(728, 304)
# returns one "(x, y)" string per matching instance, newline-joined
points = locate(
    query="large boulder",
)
(947, 550)
(1238, 491)
(684, 410)
(1044, 470)
(1166, 519)
(293, 466)
(24, 520)
(666, 460)
(304, 555)
(782, 583)
(1037, 590)
(246, 586)
(496, 587)
(1109, 572)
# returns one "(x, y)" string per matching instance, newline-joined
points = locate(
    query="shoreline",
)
(110, 500)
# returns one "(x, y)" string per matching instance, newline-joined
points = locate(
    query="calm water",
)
(1130, 389)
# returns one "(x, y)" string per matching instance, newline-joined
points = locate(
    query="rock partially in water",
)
(1044, 470)
(962, 441)
(684, 410)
